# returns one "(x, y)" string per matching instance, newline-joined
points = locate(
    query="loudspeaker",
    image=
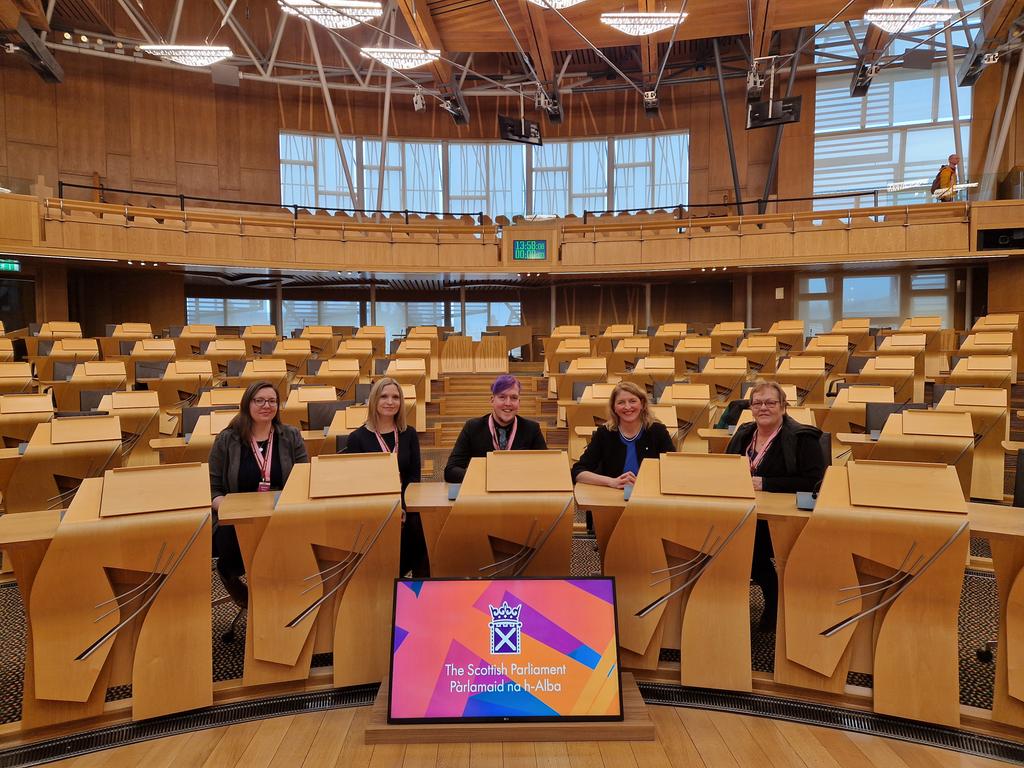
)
(1000, 239)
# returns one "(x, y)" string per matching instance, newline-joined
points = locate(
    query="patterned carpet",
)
(978, 623)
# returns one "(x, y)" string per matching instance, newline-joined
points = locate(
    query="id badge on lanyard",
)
(264, 462)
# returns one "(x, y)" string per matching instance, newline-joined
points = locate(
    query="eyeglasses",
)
(763, 403)
(259, 402)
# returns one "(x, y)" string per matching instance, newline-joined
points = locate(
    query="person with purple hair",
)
(500, 430)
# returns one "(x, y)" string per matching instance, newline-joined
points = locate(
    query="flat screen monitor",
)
(504, 650)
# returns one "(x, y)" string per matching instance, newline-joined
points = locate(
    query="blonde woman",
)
(618, 447)
(385, 431)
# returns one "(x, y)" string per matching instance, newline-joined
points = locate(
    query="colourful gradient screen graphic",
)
(504, 649)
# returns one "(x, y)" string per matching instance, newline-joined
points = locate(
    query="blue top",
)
(632, 460)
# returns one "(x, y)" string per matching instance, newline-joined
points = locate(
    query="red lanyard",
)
(384, 446)
(264, 462)
(753, 456)
(494, 433)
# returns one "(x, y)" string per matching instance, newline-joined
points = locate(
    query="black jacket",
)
(606, 455)
(475, 441)
(795, 460)
(226, 455)
(363, 440)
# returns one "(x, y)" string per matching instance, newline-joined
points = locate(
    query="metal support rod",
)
(49, 17)
(954, 103)
(728, 128)
(243, 37)
(329, 103)
(554, 294)
(276, 44)
(462, 308)
(647, 304)
(373, 302)
(384, 131)
(968, 298)
(172, 36)
(749, 322)
(1008, 114)
(147, 31)
(279, 308)
(773, 164)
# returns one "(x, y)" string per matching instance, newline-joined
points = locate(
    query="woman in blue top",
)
(617, 448)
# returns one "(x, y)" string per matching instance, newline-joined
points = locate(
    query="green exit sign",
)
(10, 265)
(529, 250)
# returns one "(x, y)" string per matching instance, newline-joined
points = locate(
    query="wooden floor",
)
(687, 738)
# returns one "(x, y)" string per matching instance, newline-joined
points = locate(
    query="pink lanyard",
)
(754, 457)
(494, 433)
(262, 462)
(384, 446)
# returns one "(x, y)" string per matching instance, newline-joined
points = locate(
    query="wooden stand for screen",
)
(64, 351)
(412, 372)
(835, 348)
(693, 413)
(294, 352)
(636, 725)
(762, 353)
(117, 592)
(552, 342)
(983, 371)
(91, 375)
(146, 351)
(790, 335)
(322, 339)
(59, 456)
(680, 555)
(295, 410)
(360, 350)
(20, 415)
(342, 373)
(914, 345)
(181, 382)
(651, 369)
(513, 517)
(139, 413)
(321, 565)
(688, 353)
(896, 371)
(413, 346)
(858, 329)
(726, 337)
(221, 351)
(931, 327)
(582, 369)
(377, 335)
(604, 343)
(990, 417)
(110, 345)
(255, 335)
(585, 415)
(848, 412)
(725, 374)
(261, 369)
(627, 353)
(991, 343)
(807, 372)
(666, 337)
(16, 378)
(190, 338)
(196, 445)
(880, 561)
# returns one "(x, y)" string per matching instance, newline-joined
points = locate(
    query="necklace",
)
(631, 439)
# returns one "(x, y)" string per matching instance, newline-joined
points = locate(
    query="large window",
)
(297, 314)
(899, 133)
(203, 311)
(481, 314)
(886, 298)
(498, 179)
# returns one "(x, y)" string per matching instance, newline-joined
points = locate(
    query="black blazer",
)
(606, 455)
(226, 455)
(475, 441)
(363, 440)
(805, 466)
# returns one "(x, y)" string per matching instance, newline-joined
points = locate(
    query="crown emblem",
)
(505, 612)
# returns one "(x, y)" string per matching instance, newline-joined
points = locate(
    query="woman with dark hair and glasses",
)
(255, 452)
(785, 457)
(500, 430)
(386, 431)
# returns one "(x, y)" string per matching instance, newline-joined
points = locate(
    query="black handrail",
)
(182, 199)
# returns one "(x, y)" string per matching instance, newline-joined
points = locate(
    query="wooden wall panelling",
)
(26, 161)
(116, 101)
(198, 179)
(3, 128)
(1006, 286)
(102, 296)
(30, 105)
(228, 151)
(81, 118)
(195, 136)
(152, 124)
(51, 292)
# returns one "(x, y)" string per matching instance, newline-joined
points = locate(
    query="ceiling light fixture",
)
(558, 5)
(334, 14)
(189, 55)
(897, 20)
(402, 58)
(639, 24)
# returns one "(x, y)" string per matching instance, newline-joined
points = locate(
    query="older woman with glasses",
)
(255, 452)
(785, 457)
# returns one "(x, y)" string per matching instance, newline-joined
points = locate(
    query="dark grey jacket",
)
(227, 453)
